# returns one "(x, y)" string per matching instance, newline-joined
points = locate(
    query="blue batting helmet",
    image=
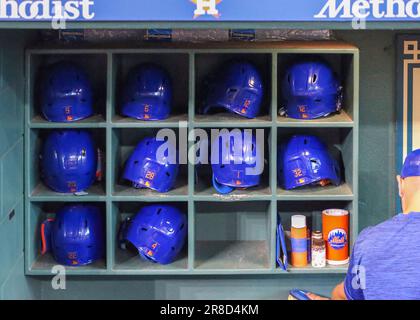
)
(235, 160)
(66, 93)
(304, 160)
(148, 93)
(147, 169)
(237, 87)
(411, 166)
(76, 236)
(158, 232)
(69, 160)
(310, 90)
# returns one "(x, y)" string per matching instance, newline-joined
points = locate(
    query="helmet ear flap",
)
(221, 188)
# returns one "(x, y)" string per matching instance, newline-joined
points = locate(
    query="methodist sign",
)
(209, 10)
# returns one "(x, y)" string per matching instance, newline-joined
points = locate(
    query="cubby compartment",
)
(124, 141)
(232, 236)
(129, 260)
(94, 64)
(340, 143)
(343, 65)
(206, 64)
(177, 66)
(38, 264)
(38, 190)
(204, 188)
(313, 211)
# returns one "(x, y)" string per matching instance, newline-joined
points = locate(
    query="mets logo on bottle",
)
(337, 238)
(206, 7)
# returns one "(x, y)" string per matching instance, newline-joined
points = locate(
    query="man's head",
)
(409, 183)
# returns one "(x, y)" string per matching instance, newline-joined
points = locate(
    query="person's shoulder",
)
(369, 234)
(364, 236)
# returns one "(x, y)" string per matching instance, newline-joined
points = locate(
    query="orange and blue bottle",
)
(299, 240)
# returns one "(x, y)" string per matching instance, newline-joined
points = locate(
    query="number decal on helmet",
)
(304, 160)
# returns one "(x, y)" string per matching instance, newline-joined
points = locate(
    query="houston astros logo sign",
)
(206, 7)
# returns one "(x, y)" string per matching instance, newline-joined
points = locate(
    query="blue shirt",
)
(385, 263)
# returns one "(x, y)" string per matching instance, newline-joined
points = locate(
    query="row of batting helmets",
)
(69, 163)
(310, 90)
(303, 160)
(76, 235)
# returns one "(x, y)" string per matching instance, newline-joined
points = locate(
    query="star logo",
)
(206, 7)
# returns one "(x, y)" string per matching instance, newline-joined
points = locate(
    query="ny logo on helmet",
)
(206, 7)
